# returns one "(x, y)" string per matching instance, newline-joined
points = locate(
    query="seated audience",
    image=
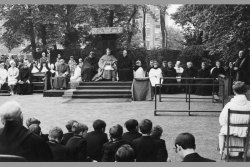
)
(77, 77)
(35, 127)
(145, 146)
(154, 75)
(15, 139)
(138, 70)
(24, 80)
(3, 74)
(162, 154)
(185, 147)
(110, 148)
(238, 102)
(34, 68)
(60, 152)
(125, 154)
(62, 74)
(132, 127)
(13, 73)
(96, 139)
(90, 67)
(70, 134)
(125, 67)
(77, 144)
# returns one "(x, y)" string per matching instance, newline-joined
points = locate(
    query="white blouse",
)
(154, 76)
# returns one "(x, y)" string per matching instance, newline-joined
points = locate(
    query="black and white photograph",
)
(159, 82)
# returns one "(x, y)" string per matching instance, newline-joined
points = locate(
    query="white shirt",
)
(3, 75)
(139, 73)
(155, 75)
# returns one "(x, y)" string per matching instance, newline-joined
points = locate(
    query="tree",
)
(163, 13)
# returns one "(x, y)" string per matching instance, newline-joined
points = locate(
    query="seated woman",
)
(13, 73)
(154, 75)
(238, 102)
(24, 82)
(125, 67)
(139, 72)
(77, 77)
(3, 74)
(52, 70)
(34, 69)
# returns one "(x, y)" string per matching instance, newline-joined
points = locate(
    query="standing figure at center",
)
(155, 75)
(125, 67)
(170, 72)
(107, 67)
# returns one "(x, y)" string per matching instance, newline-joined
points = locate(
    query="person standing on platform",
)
(24, 83)
(3, 75)
(154, 76)
(107, 67)
(62, 74)
(241, 67)
(90, 67)
(125, 67)
(13, 73)
(170, 72)
(190, 72)
(138, 70)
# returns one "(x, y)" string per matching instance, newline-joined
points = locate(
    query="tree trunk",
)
(43, 36)
(32, 35)
(163, 27)
(144, 26)
(111, 18)
(130, 34)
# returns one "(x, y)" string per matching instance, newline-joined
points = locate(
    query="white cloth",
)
(12, 75)
(34, 70)
(240, 103)
(77, 75)
(154, 76)
(44, 69)
(179, 70)
(139, 73)
(3, 76)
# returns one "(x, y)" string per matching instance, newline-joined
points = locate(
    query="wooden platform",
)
(53, 93)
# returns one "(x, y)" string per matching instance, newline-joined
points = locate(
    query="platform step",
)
(105, 83)
(105, 87)
(102, 91)
(90, 96)
(4, 94)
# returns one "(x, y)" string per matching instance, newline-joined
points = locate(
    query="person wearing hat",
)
(72, 65)
(138, 70)
(240, 103)
(3, 74)
(13, 74)
(90, 67)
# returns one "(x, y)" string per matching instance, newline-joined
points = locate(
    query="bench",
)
(39, 82)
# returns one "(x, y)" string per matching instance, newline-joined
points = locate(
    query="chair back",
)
(11, 158)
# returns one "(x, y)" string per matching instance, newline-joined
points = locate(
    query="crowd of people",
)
(141, 143)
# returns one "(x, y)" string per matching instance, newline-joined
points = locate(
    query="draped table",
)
(141, 89)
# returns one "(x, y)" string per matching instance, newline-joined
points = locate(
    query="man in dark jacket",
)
(96, 139)
(125, 67)
(185, 147)
(70, 134)
(145, 146)
(60, 152)
(190, 72)
(15, 139)
(110, 148)
(132, 127)
(77, 144)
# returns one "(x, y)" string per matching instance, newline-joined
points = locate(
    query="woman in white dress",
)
(138, 70)
(77, 77)
(240, 103)
(155, 74)
(3, 74)
(34, 68)
(13, 73)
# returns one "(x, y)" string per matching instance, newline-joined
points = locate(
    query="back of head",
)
(239, 87)
(31, 121)
(11, 111)
(131, 124)
(145, 126)
(157, 132)
(77, 128)
(125, 154)
(116, 131)
(185, 140)
(56, 133)
(70, 124)
(99, 124)
(35, 128)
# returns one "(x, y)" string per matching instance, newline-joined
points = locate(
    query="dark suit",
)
(130, 136)
(77, 146)
(195, 157)
(60, 152)
(95, 141)
(66, 137)
(145, 148)
(162, 153)
(110, 148)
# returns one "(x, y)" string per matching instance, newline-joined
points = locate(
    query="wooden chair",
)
(42, 81)
(11, 158)
(227, 146)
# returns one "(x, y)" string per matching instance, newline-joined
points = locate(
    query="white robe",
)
(34, 70)
(155, 75)
(3, 76)
(12, 75)
(77, 77)
(139, 73)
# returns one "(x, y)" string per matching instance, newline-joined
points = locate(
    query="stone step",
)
(4, 94)
(101, 96)
(106, 83)
(102, 91)
(104, 87)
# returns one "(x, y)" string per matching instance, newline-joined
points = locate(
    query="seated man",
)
(185, 147)
(70, 134)
(132, 127)
(125, 67)
(3, 75)
(62, 74)
(107, 67)
(125, 154)
(90, 67)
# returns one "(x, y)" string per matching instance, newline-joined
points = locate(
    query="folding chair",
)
(245, 139)
(11, 158)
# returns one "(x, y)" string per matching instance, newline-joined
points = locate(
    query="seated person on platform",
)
(238, 102)
(132, 127)
(44, 68)
(43, 59)
(107, 67)
(34, 68)
(125, 154)
(77, 77)
(69, 134)
(185, 147)
(13, 73)
(52, 70)
(90, 67)
(24, 82)
(162, 154)
(125, 67)
(138, 70)
(62, 74)
(154, 75)
(170, 72)
(72, 65)
(3, 74)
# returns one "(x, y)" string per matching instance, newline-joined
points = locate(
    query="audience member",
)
(125, 154)
(35, 123)
(15, 139)
(24, 83)
(35, 128)
(3, 75)
(185, 147)
(96, 139)
(69, 134)
(13, 73)
(132, 127)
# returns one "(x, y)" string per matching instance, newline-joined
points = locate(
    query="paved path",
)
(56, 111)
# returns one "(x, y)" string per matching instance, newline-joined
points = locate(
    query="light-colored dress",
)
(139, 73)
(77, 75)
(3, 76)
(34, 70)
(155, 75)
(12, 75)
